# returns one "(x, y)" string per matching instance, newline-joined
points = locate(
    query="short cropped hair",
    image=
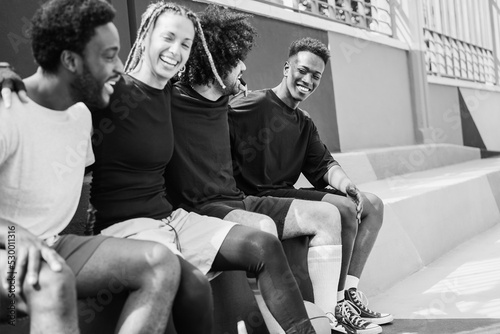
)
(312, 45)
(66, 25)
(229, 36)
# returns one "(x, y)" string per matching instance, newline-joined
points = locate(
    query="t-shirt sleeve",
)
(90, 159)
(86, 122)
(318, 159)
(7, 135)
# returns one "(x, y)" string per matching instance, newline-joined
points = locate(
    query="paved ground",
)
(458, 293)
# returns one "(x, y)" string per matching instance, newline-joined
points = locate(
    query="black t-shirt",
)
(133, 141)
(200, 170)
(272, 144)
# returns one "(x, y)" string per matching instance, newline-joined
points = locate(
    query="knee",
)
(262, 249)
(347, 210)
(264, 243)
(377, 203)
(163, 270)
(329, 218)
(268, 225)
(374, 208)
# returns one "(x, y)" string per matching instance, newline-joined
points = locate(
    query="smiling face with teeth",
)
(302, 74)
(167, 49)
(100, 68)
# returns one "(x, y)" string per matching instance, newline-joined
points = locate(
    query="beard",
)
(85, 88)
(232, 88)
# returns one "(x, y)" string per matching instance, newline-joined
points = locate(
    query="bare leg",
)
(319, 220)
(322, 222)
(296, 250)
(149, 271)
(371, 222)
(261, 253)
(252, 219)
(51, 304)
(349, 223)
(193, 306)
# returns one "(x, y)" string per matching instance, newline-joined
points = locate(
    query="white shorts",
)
(196, 238)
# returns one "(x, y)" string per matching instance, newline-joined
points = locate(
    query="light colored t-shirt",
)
(43, 155)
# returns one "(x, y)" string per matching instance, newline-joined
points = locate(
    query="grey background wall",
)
(265, 62)
(365, 97)
(444, 115)
(265, 66)
(372, 90)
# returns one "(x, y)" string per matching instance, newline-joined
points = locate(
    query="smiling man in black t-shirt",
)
(273, 141)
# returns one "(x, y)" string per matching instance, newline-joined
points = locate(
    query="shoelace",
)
(361, 301)
(350, 311)
(333, 320)
(362, 297)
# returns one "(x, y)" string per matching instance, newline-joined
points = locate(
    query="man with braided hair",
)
(200, 173)
(297, 148)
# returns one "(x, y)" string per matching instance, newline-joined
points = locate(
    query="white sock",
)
(351, 282)
(324, 269)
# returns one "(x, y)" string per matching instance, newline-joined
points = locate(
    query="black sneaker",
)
(348, 317)
(360, 302)
(337, 327)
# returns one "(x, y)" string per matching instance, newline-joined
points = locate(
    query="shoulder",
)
(80, 115)
(17, 111)
(11, 122)
(304, 113)
(240, 102)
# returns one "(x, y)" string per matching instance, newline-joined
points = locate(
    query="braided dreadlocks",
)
(148, 21)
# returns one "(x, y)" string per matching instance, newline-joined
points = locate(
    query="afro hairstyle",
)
(66, 25)
(229, 36)
(312, 45)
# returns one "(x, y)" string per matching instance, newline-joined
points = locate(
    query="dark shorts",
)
(308, 194)
(76, 250)
(273, 207)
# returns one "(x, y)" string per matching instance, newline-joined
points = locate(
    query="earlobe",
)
(70, 61)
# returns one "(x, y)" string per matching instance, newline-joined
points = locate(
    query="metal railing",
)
(373, 15)
(458, 36)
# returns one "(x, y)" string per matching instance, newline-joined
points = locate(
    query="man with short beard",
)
(45, 145)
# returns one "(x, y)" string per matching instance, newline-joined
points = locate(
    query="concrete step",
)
(462, 284)
(380, 163)
(427, 214)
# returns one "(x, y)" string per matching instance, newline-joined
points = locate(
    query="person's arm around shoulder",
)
(10, 82)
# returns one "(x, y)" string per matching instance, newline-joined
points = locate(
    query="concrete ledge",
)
(381, 163)
(427, 214)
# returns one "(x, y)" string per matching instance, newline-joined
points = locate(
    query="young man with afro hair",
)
(296, 148)
(200, 173)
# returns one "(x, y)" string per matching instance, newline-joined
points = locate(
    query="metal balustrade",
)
(459, 40)
(459, 34)
(373, 15)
